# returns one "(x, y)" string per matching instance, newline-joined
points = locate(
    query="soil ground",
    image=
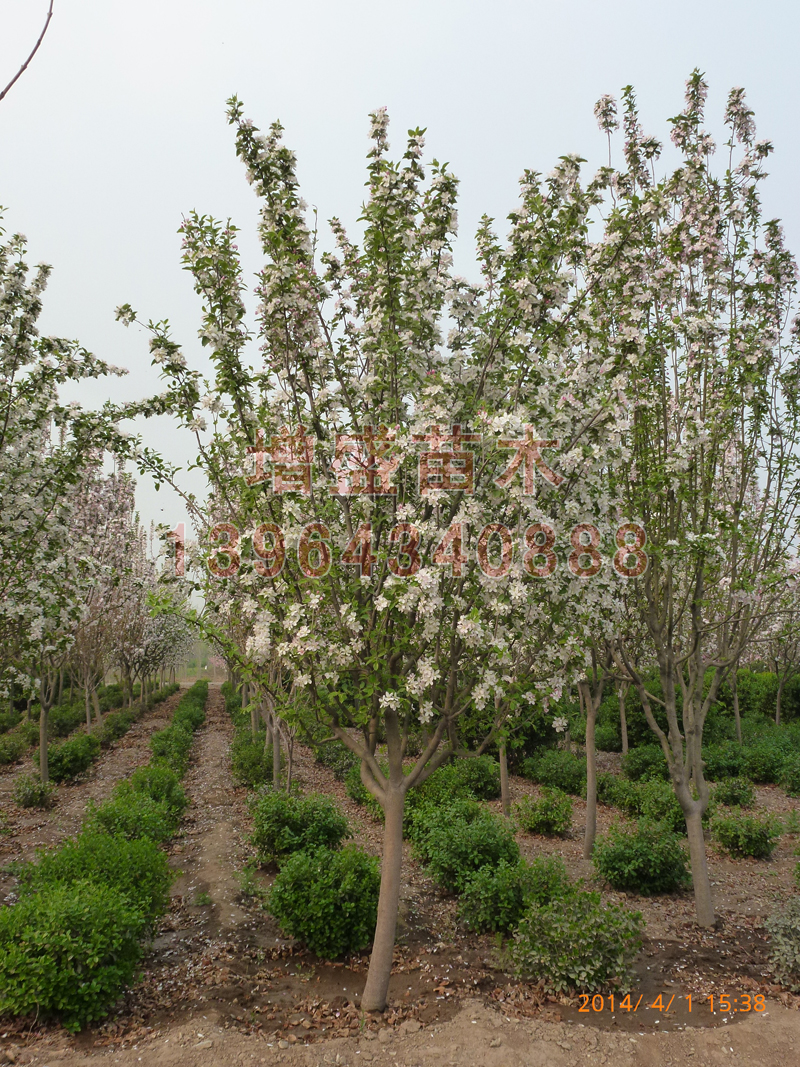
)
(222, 986)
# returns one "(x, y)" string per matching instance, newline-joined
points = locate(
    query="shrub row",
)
(73, 757)
(75, 937)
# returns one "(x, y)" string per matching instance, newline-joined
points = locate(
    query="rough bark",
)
(591, 779)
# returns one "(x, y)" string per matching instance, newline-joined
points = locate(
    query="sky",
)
(118, 129)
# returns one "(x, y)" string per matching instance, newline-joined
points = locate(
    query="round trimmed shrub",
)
(725, 760)
(645, 763)
(747, 835)
(477, 776)
(557, 768)
(428, 817)
(550, 814)
(577, 943)
(607, 737)
(734, 793)
(13, 746)
(616, 792)
(71, 758)
(764, 760)
(170, 747)
(494, 899)
(251, 761)
(648, 859)
(68, 951)
(138, 869)
(160, 784)
(132, 814)
(455, 848)
(328, 899)
(31, 792)
(284, 823)
(657, 803)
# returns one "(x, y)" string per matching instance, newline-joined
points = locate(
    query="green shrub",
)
(65, 718)
(424, 819)
(31, 792)
(607, 738)
(28, 730)
(644, 763)
(790, 778)
(68, 951)
(171, 746)
(657, 803)
(721, 761)
(160, 784)
(648, 859)
(577, 943)
(551, 814)
(110, 696)
(284, 823)
(251, 762)
(8, 720)
(12, 747)
(115, 725)
(784, 928)
(137, 869)
(616, 792)
(494, 899)
(477, 776)
(337, 757)
(456, 849)
(747, 835)
(132, 814)
(764, 760)
(557, 768)
(734, 792)
(327, 899)
(71, 758)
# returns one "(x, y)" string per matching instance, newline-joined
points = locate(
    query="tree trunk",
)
(505, 794)
(254, 716)
(380, 963)
(622, 693)
(591, 776)
(276, 751)
(44, 715)
(781, 684)
(88, 709)
(96, 704)
(697, 852)
(289, 763)
(736, 716)
(60, 684)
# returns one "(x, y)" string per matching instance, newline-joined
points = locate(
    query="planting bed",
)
(222, 985)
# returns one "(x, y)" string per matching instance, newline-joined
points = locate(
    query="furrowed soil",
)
(222, 986)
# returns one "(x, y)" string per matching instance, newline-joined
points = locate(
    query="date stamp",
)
(722, 1003)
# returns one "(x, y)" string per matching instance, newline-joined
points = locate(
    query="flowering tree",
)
(389, 539)
(698, 309)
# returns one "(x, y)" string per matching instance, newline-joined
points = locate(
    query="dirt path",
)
(29, 829)
(223, 987)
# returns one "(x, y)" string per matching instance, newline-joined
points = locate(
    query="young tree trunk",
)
(697, 853)
(88, 709)
(781, 684)
(276, 751)
(46, 690)
(622, 693)
(60, 685)
(736, 716)
(289, 763)
(380, 963)
(96, 704)
(505, 794)
(591, 773)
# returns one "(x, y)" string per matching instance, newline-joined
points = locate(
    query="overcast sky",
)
(118, 127)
